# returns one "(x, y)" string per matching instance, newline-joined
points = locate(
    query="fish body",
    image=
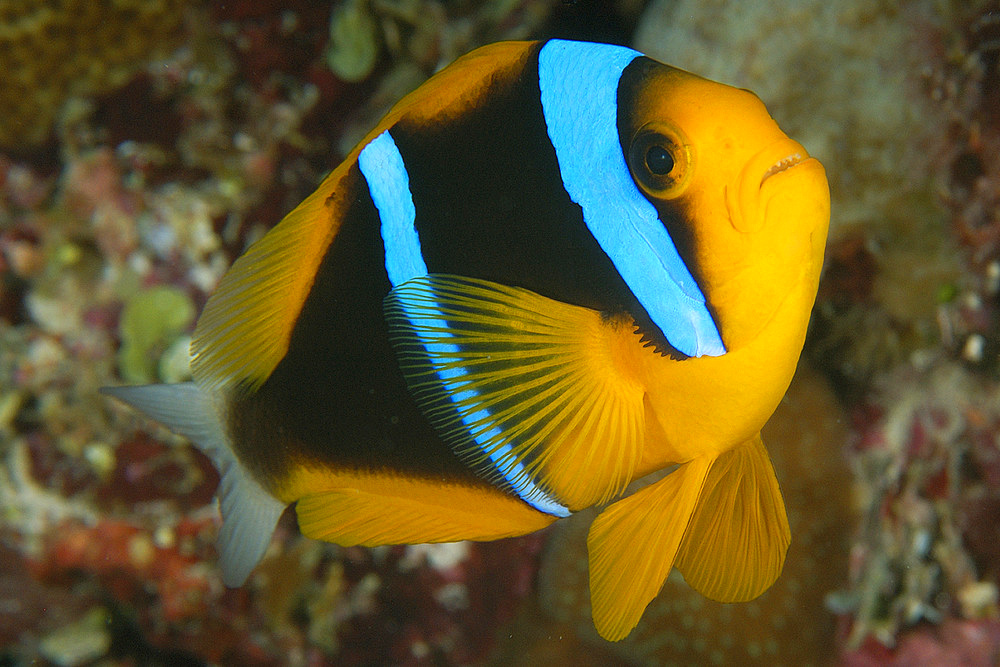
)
(552, 269)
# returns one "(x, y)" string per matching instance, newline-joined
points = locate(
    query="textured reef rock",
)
(927, 457)
(132, 172)
(51, 50)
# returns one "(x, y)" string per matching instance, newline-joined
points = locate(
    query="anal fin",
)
(412, 512)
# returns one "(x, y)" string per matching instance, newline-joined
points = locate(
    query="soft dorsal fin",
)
(526, 389)
(249, 513)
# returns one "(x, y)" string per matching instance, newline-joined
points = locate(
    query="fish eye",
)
(660, 160)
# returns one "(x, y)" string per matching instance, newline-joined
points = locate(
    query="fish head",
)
(747, 207)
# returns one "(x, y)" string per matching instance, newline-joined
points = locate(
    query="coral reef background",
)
(144, 145)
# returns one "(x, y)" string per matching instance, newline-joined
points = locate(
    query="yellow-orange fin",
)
(351, 516)
(632, 545)
(245, 328)
(526, 389)
(737, 539)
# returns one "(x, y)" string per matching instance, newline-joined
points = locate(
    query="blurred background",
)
(144, 144)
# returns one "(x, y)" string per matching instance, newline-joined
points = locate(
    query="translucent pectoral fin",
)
(526, 389)
(632, 545)
(738, 535)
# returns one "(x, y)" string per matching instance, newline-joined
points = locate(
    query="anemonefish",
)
(553, 269)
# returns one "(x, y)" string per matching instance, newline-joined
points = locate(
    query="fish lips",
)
(765, 173)
(780, 204)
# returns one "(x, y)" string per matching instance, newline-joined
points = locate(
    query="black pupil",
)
(659, 161)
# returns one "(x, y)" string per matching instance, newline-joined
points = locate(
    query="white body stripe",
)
(441, 355)
(389, 185)
(579, 89)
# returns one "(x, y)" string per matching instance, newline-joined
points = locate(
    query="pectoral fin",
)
(738, 536)
(526, 389)
(632, 546)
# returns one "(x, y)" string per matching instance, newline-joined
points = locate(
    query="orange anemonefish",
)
(554, 268)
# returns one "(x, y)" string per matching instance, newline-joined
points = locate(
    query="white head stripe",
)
(389, 186)
(579, 90)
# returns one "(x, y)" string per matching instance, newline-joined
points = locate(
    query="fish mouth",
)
(745, 197)
(784, 164)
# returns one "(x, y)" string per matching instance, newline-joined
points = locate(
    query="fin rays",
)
(245, 328)
(521, 386)
(249, 513)
(741, 512)
(632, 546)
(720, 521)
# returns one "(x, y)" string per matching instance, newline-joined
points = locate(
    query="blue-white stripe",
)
(579, 90)
(389, 185)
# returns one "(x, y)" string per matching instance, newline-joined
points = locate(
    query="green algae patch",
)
(353, 50)
(151, 322)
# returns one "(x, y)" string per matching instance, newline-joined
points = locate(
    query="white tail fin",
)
(249, 513)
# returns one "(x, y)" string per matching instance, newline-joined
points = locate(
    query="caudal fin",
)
(249, 513)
